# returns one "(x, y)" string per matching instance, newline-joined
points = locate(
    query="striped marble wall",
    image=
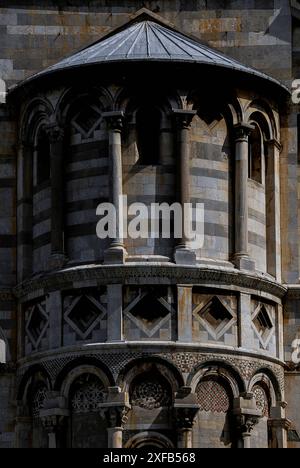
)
(211, 184)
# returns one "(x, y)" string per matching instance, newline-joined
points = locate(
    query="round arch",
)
(260, 111)
(141, 366)
(80, 366)
(217, 369)
(72, 96)
(36, 372)
(269, 380)
(149, 438)
(38, 111)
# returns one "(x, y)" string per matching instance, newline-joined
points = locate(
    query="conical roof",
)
(146, 39)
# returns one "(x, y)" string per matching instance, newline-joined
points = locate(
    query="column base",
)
(244, 263)
(57, 261)
(185, 256)
(115, 256)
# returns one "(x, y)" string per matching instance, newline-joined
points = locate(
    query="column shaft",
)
(273, 210)
(56, 136)
(115, 436)
(25, 211)
(116, 252)
(183, 253)
(242, 259)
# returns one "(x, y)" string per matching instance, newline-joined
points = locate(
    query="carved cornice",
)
(165, 274)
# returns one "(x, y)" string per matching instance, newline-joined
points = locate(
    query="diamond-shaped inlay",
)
(216, 316)
(87, 120)
(83, 314)
(149, 312)
(37, 323)
(263, 324)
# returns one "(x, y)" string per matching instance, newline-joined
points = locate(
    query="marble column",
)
(54, 416)
(116, 418)
(273, 209)
(53, 424)
(186, 409)
(116, 253)
(242, 259)
(183, 254)
(115, 411)
(56, 137)
(247, 416)
(279, 426)
(25, 210)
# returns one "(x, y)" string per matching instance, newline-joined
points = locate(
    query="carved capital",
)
(184, 417)
(53, 422)
(55, 133)
(115, 416)
(242, 131)
(184, 118)
(115, 120)
(246, 423)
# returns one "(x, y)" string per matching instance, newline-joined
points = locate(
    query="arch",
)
(269, 380)
(217, 369)
(147, 438)
(72, 96)
(140, 366)
(258, 119)
(228, 106)
(234, 110)
(37, 372)
(39, 111)
(82, 366)
(259, 110)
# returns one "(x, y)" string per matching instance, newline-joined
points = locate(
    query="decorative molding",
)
(161, 274)
(185, 362)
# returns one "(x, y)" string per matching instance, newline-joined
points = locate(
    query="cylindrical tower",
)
(123, 339)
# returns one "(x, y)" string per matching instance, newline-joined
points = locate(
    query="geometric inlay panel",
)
(149, 311)
(263, 324)
(87, 120)
(212, 396)
(215, 314)
(37, 322)
(83, 314)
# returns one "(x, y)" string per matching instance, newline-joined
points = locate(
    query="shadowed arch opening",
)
(148, 124)
(138, 366)
(80, 363)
